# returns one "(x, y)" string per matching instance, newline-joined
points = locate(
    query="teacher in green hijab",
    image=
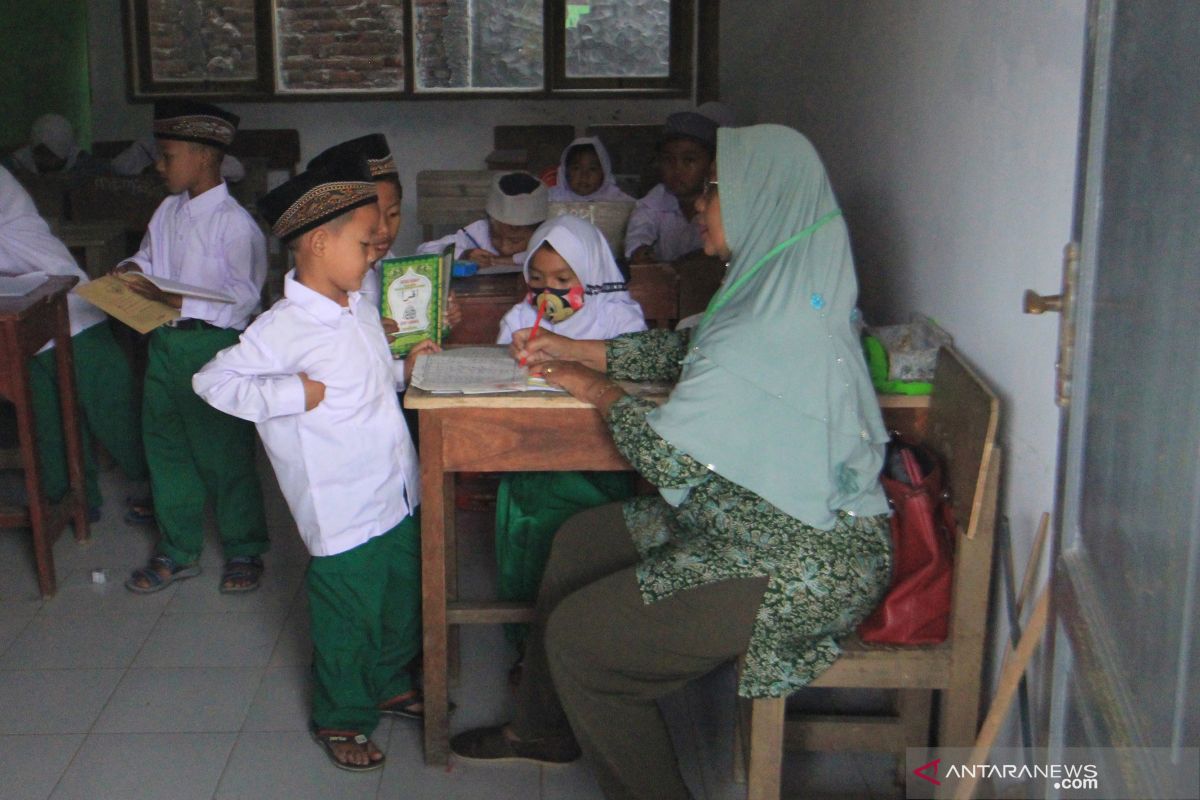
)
(768, 536)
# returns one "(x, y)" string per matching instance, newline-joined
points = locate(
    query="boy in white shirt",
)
(316, 376)
(664, 224)
(203, 237)
(517, 203)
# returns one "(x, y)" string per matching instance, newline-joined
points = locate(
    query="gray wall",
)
(949, 129)
(433, 134)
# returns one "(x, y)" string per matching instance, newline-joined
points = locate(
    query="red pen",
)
(536, 323)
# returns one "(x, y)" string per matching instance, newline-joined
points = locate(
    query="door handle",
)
(1064, 304)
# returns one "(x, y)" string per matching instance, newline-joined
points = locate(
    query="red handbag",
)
(916, 608)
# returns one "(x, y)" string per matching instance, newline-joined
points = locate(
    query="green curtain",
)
(45, 67)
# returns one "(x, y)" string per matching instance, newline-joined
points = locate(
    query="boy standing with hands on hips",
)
(316, 376)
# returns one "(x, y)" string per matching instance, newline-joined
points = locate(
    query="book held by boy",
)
(114, 295)
(414, 295)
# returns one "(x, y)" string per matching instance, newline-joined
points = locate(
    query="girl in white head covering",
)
(572, 272)
(589, 299)
(585, 174)
(52, 133)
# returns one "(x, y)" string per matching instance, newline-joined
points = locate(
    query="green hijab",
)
(774, 393)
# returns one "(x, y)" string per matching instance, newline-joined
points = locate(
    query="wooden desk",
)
(486, 298)
(484, 433)
(102, 243)
(27, 323)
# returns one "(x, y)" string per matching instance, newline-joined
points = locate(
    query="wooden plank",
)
(465, 612)
(765, 758)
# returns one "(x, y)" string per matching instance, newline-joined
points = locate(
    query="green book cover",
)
(414, 291)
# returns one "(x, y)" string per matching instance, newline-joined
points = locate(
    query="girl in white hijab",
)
(585, 174)
(593, 301)
(572, 273)
(51, 142)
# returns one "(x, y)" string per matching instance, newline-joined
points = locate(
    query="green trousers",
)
(365, 611)
(599, 657)
(195, 451)
(104, 389)
(530, 507)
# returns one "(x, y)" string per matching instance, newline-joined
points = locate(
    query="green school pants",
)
(365, 614)
(195, 451)
(530, 507)
(104, 390)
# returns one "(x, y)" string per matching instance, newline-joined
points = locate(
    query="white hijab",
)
(608, 309)
(562, 193)
(55, 132)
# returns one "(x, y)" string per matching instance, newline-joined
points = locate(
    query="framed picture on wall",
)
(197, 47)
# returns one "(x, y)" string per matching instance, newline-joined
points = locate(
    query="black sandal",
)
(328, 739)
(241, 574)
(159, 573)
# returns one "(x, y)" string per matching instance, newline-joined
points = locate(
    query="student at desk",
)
(769, 537)
(585, 174)
(664, 224)
(572, 272)
(516, 205)
(103, 379)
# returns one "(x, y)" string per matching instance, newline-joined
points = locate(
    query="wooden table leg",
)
(39, 509)
(437, 504)
(65, 359)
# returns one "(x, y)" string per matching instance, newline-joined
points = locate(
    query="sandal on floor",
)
(402, 706)
(139, 510)
(241, 574)
(159, 573)
(330, 739)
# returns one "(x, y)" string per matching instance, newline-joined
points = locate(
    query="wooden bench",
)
(532, 148)
(959, 422)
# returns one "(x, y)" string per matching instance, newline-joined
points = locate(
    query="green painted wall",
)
(44, 68)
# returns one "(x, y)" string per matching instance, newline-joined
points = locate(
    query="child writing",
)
(203, 237)
(664, 224)
(103, 379)
(516, 205)
(585, 173)
(572, 273)
(314, 373)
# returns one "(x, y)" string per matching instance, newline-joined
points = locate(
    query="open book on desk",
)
(475, 370)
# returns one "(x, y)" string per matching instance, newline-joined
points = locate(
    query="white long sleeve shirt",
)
(468, 237)
(658, 220)
(212, 242)
(27, 245)
(348, 467)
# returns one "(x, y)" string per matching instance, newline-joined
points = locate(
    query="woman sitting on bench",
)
(769, 536)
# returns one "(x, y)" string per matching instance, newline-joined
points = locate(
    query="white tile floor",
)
(192, 694)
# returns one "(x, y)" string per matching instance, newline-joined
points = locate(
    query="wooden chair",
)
(634, 152)
(449, 199)
(656, 289)
(529, 147)
(959, 423)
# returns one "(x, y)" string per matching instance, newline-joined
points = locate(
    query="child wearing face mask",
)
(572, 273)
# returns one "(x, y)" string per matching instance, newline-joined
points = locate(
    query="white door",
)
(1124, 654)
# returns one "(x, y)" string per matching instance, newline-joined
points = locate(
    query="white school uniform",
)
(212, 242)
(27, 245)
(658, 220)
(468, 237)
(604, 314)
(347, 468)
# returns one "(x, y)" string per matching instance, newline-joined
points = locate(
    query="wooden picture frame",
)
(212, 48)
